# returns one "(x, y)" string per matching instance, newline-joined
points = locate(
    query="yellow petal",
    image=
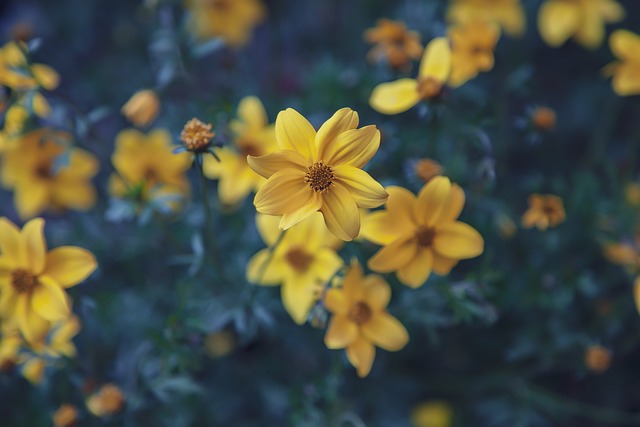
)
(433, 201)
(40, 105)
(393, 256)
(386, 332)
(436, 59)
(69, 265)
(443, 265)
(284, 192)
(252, 112)
(361, 354)
(418, 270)
(636, 293)
(294, 132)
(625, 45)
(11, 246)
(377, 227)
(46, 76)
(353, 147)
(591, 32)
(33, 237)
(341, 213)
(33, 370)
(298, 297)
(395, 97)
(31, 199)
(557, 21)
(343, 120)
(49, 300)
(32, 326)
(458, 240)
(268, 228)
(326, 263)
(352, 286)
(366, 191)
(626, 79)
(341, 332)
(271, 163)
(265, 273)
(377, 292)
(313, 205)
(456, 203)
(336, 302)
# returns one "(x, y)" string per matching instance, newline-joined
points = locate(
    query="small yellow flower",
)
(626, 71)
(544, 211)
(394, 43)
(508, 14)
(597, 359)
(65, 416)
(231, 20)
(108, 400)
(543, 119)
(196, 136)
(142, 108)
(473, 46)
(254, 136)
(421, 234)
(434, 413)
(360, 319)
(425, 169)
(42, 180)
(33, 280)
(400, 95)
(584, 20)
(302, 262)
(319, 171)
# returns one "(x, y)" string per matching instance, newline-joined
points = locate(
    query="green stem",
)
(208, 218)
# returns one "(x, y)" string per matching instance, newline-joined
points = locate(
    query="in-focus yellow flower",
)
(473, 45)
(597, 358)
(142, 108)
(421, 234)
(434, 413)
(584, 20)
(543, 119)
(196, 136)
(319, 172)
(45, 173)
(507, 14)
(625, 45)
(253, 136)
(33, 280)
(108, 400)
(231, 20)
(65, 416)
(425, 169)
(400, 95)
(302, 262)
(394, 43)
(544, 211)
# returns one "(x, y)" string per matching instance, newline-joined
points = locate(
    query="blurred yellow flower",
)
(254, 136)
(33, 280)
(473, 44)
(400, 95)
(597, 358)
(625, 254)
(584, 20)
(19, 74)
(544, 211)
(360, 319)
(320, 171)
(220, 343)
(231, 20)
(108, 400)
(394, 43)
(46, 173)
(632, 194)
(421, 234)
(65, 416)
(626, 71)
(543, 119)
(507, 14)
(142, 108)
(425, 169)
(303, 260)
(434, 413)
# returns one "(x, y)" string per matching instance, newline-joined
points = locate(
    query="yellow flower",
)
(147, 168)
(302, 262)
(65, 416)
(319, 172)
(394, 43)
(425, 169)
(17, 73)
(142, 108)
(360, 319)
(473, 45)
(108, 400)
(421, 234)
(435, 413)
(231, 20)
(196, 136)
(46, 174)
(508, 14)
(597, 358)
(624, 254)
(544, 211)
(33, 280)
(626, 71)
(543, 119)
(400, 95)
(219, 344)
(584, 20)
(252, 136)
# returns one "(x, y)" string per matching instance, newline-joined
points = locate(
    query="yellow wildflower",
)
(435, 413)
(400, 95)
(319, 172)
(142, 108)
(360, 319)
(584, 20)
(425, 169)
(108, 400)
(32, 279)
(65, 416)
(394, 43)
(544, 211)
(625, 254)
(41, 181)
(421, 234)
(17, 73)
(196, 136)
(626, 71)
(597, 358)
(254, 136)
(304, 259)
(472, 50)
(543, 119)
(231, 20)
(508, 14)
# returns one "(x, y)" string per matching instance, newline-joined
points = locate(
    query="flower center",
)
(43, 171)
(424, 237)
(360, 313)
(299, 259)
(428, 87)
(150, 175)
(319, 177)
(249, 149)
(220, 5)
(23, 281)
(197, 135)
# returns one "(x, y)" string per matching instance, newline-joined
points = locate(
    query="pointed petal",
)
(69, 265)
(456, 203)
(433, 201)
(313, 205)
(386, 332)
(36, 247)
(377, 292)
(395, 97)
(298, 298)
(352, 286)
(11, 246)
(443, 265)
(49, 300)
(268, 228)
(294, 132)
(341, 213)
(252, 112)
(418, 270)
(271, 163)
(626, 79)
(341, 332)
(394, 256)
(264, 273)
(336, 302)
(353, 147)
(557, 21)
(436, 60)
(458, 240)
(361, 354)
(284, 192)
(343, 120)
(366, 191)
(32, 326)
(30, 200)
(625, 44)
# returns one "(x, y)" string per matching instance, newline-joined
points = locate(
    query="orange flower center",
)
(360, 313)
(249, 148)
(43, 171)
(150, 175)
(299, 259)
(23, 281)
(428, 87)
(424, 237)
(197, 135)
(220, 5)
(320, 177)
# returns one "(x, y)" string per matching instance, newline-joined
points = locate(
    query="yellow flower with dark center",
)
(65, 416)
(108, 400)
(33, 280)
(197, 135)
(626, 71)
(253, 136)
(473, 45)
(360, 319)
(584, 20)
(597, 358)
(231, 20)
(142, 108)
(435, 413)
(544, 211)
(543, 119)
(507, 14)
(302, 262)
(400, 95)
(421, 234)
(319, 171)
(45, 173)
(394, 43)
